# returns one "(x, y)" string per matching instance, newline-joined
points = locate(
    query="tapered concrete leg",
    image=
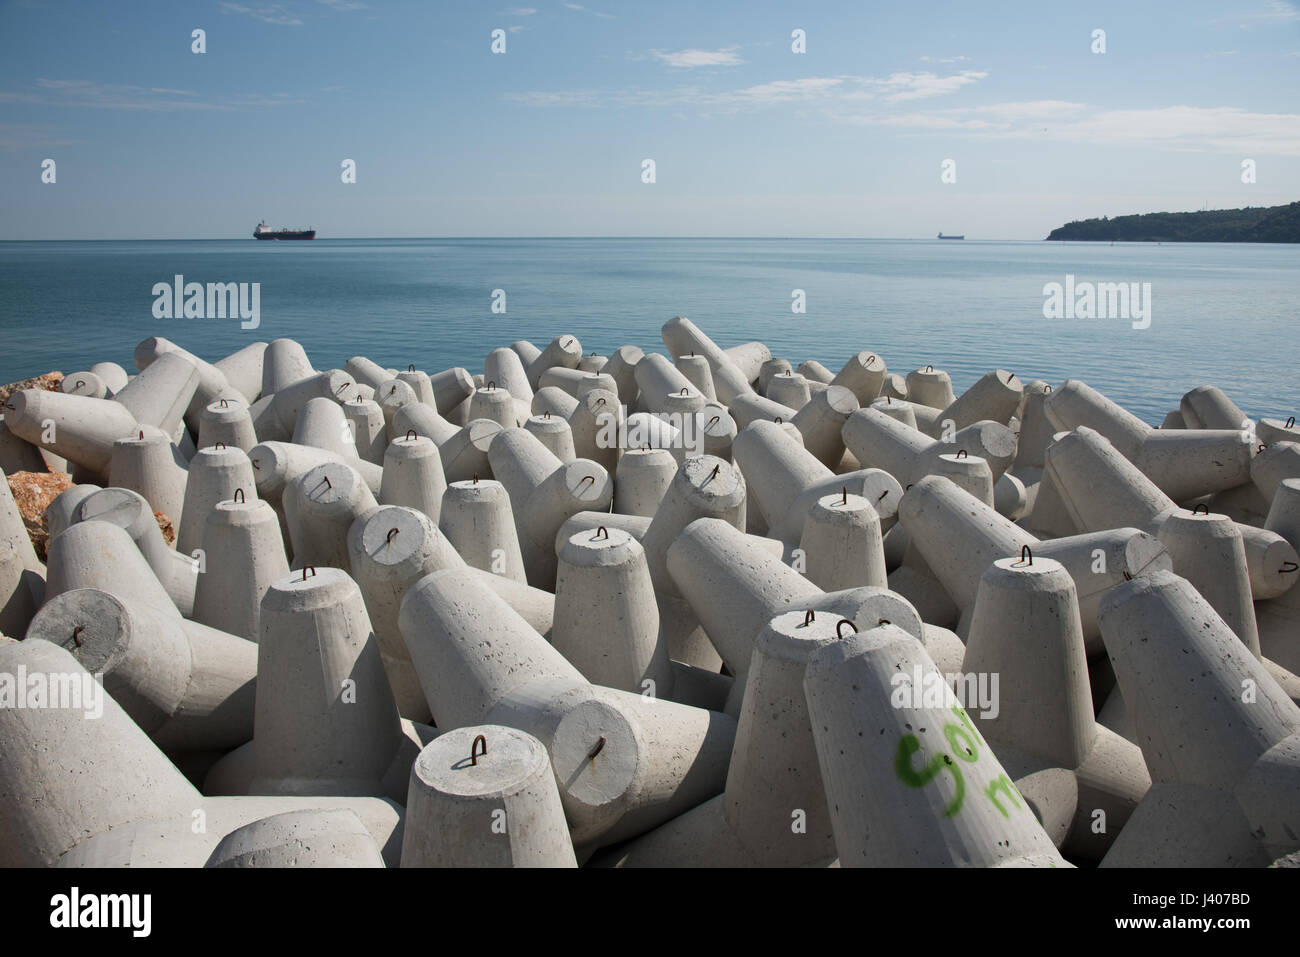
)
(228, 423)
(506, 369)
(162, 392)
(842, 544)
(1207, 551)
(188, 688)
(389, 550)
(561, 351)
(606, 615)
(931, 387)
(129, 511)
(369, 433)
(413, 476)
(214, 476)
(22, 576)
(320, 508)
(79, 429)
(959, 806)
(1184, 675)
(102, 555)
(477, 520)
(243, 554)
(995, 396)
(641, 481)
(497, 807)
(243, 370)
(554, 433)
(312, 838)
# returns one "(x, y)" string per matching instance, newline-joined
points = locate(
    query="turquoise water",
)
(1222, 314)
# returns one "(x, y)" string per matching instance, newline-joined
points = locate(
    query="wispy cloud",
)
(29, 136)
(87, 94)
(268, 13)
(594, 13)
(517, 28)
(693, 58)
(344, 6)
(943, 59)
(1178, 128)
(897, 87)
(522, 11)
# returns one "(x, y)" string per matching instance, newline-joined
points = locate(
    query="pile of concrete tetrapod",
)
(692, 608)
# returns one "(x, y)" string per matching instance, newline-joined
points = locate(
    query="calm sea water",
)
(1221, 314)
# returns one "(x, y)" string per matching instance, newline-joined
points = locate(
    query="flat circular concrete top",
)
(542, 423)
(586, 481)
(646, 458)
(595, 753)
(118, 506)
(709, 478)
(330, 483)
(715, 421)
(511, 760)
(869, 360)
(468, 489)
(964, 462)
(232, 409)
(790, 636)
(212, 457)
(144, 435)
(930, 375)
(481, 432)
(394, 533)
(840, 399)
(394, 393)
(408, 446)
(92, 625)
(310, 587)
(248, 512)
(600, 546)
(839, 508)
(1031, 572)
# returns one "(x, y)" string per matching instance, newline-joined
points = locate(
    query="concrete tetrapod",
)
(479, 662)
(310, 838)
(773, 812)
(1206, 714)
(543, 493)
(951, 805)
(1182, 463)
(1101, 489)
(641, 480)
(226, 422)
(463, 448)
(478, 521)
(682, 336)
(821, 421)
(190, 687)
(369, 431)
(128, 510)
(213, 383)
(214, 475)
(554, 433)
(79, 429)
(413, 475)
(1026, 630)
(320, 508)
(127, 804)
(564, 351)
(606, 614)
(150, 464)
(326, 722)
(879, 440)
(785, 481)
(243, 370)
(162, 392)
(485, 796)
(842, 545)
(322, 424)
(102, 555)
(1278, 619)
(732, 589)
(243, 553)
(1207, 551)
(995, 397)
(703, 487)
(930, 387)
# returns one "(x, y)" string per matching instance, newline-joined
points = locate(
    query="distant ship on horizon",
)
(942, 236)
(264, 231)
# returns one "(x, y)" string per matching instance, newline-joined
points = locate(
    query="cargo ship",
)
(942, 236)
(264, 231)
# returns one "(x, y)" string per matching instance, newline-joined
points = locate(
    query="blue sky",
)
(547, 139)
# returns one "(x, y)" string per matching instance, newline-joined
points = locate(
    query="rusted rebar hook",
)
(474, 751)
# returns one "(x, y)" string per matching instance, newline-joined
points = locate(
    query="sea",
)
(1220, 314)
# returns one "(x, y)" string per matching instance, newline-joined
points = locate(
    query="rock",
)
(165, 526)
(33, 492)
(49, 382)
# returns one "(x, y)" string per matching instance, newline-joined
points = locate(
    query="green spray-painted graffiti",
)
(965, 742)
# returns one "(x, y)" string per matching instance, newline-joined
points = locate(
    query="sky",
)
(851, 138)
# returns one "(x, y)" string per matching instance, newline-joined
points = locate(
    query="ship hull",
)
(287, 234)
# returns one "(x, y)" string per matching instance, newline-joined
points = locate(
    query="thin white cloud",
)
(86, 94)
(268, 13)
(517, 28)
(594, 13)
(686, 59)
(344, 6)
(944, 59)
(522, 11)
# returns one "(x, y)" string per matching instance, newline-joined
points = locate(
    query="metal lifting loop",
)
(961, 454)
(219, 445)
(600, 746)
(76, 635)
(1290, 422)
(1026, 556)
(388, 539)
(1197, 508)
(306, 569)
(224, 404)
(929, 368)
(809, 618)
(474, 751)
(492, 385)
(239, 496)
(411, 435)
(601, 532)
(840, 624)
